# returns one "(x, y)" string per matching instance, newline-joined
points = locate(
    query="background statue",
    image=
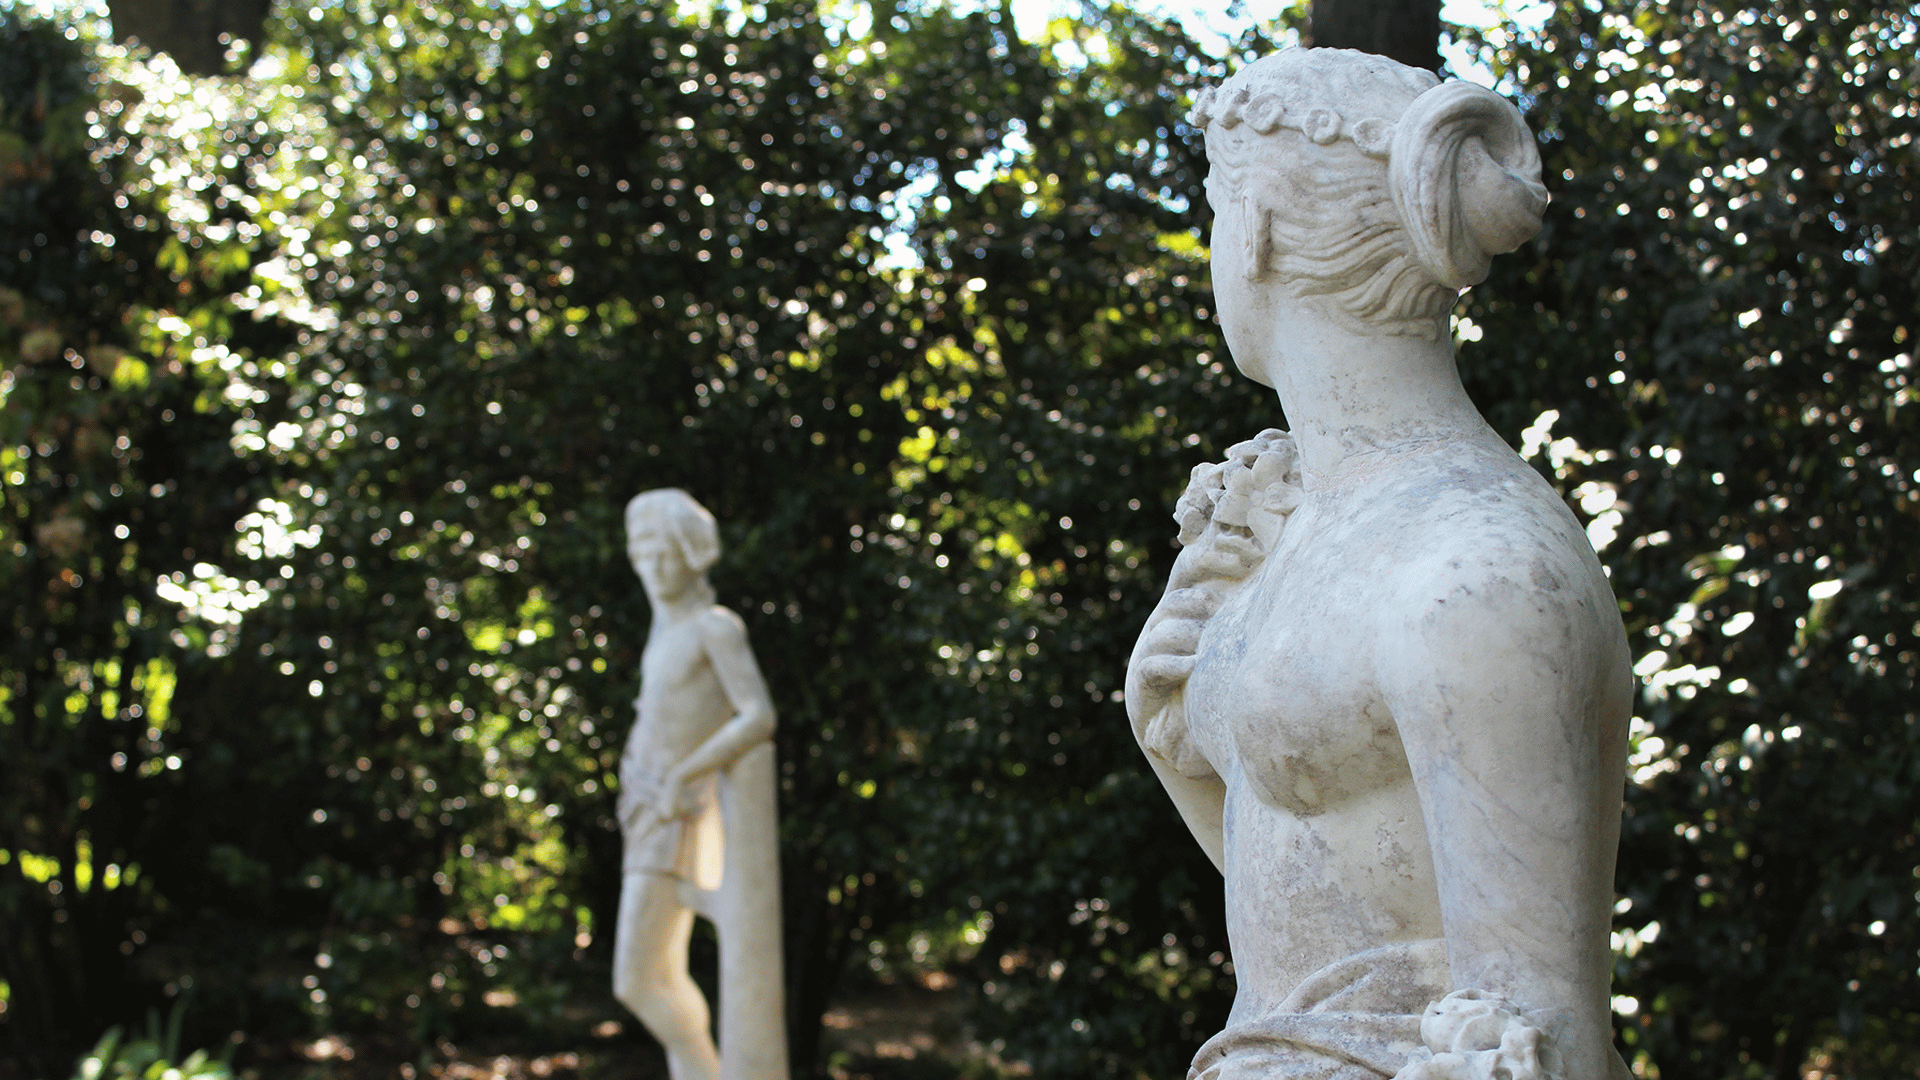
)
(697, 808)
(1387, 686)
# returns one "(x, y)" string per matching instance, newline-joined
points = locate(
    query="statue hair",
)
(674, 514)
(1371, 183)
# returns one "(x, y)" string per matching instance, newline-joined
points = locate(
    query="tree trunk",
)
(1403, 30)
(189, 30)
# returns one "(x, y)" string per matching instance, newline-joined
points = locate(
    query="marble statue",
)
(697, 787)
(1387, 686)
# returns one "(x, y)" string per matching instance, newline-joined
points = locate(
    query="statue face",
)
(662, 569)
(1241, 300)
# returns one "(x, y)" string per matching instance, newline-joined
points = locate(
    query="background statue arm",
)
(1513, 716)
(725, 639)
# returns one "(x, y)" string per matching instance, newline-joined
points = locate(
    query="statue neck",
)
(1356, 400)
(689, 603)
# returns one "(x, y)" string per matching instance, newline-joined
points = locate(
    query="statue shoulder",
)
(1511, 606)
(722, 628)
(722, 620)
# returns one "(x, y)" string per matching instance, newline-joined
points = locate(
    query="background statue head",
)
(671, 515)
(1368, 182)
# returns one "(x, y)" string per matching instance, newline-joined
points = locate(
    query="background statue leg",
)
(650, 975)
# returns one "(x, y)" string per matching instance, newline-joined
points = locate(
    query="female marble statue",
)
(697, 810)
(1387, 687)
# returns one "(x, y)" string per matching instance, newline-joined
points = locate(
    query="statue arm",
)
(1229, 515)
(1156, 707)
(1202, 802)
(1512, 708)
(725, 640)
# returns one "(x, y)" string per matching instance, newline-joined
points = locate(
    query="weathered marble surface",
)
(697, 790)
(1387, 686)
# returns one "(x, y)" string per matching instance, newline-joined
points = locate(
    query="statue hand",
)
(675, 801)
(629, 808)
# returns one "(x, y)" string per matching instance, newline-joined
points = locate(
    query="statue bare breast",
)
(681, 700)
(1290, 703)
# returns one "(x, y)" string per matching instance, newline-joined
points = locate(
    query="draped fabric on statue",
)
(685, 847)
(1358, 1018)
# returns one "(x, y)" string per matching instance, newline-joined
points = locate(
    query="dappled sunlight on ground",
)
(507, 1067)
(909, 1032)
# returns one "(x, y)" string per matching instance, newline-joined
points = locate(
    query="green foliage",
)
(519, 268)
(154, 1057)
(1720, 311)
(110, 311)
(324, 388)
(655, 246)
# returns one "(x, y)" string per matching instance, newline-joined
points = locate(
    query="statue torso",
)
(1326, 847)
(681, 701)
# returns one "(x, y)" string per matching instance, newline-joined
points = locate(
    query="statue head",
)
(667, 521)
(1348, 176)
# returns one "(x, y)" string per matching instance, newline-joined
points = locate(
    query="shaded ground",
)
(905, 1032)
(908, 1032)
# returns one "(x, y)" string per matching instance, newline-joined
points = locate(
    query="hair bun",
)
(1465, 176)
